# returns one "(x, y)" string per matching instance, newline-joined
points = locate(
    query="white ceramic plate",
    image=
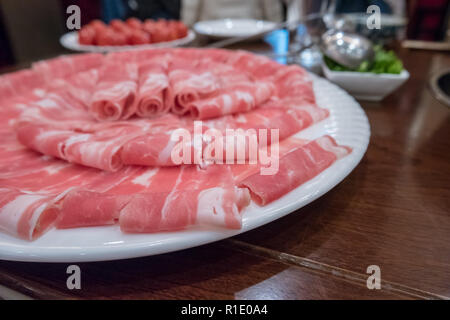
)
(227, 28)
(347, 123)
(70, 41)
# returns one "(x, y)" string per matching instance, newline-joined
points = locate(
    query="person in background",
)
(197, 10)
(142, 9)
(154, 9)
(113, 9)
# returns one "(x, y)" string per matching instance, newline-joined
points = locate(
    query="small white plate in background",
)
(228, 28)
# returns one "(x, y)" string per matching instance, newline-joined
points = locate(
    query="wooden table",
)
(393, 211)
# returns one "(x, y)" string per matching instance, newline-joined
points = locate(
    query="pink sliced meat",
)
(82, 141)
(79, 86)
(71, 135)
(195, 199)
(82, 208)
(43, 139)
(193, 54)
(25, 215)
(166, 199)
(237, 98)
(242, 171)
(153, 84)
(64, 66)
(295, 168)
(287, 121)
(77, 113)
(139, 56)
(42, 126)
(100, 150)
(293, 82)
(116, 91)
(51, 112)
(93, 194)
(258, 66)
(187, 84)
(149, 150)
(154, 147)
(19, 82)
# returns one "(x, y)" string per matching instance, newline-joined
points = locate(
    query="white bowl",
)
(366, 85)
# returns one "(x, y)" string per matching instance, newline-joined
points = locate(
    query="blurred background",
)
(30, 29)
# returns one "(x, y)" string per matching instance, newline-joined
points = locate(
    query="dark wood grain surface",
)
(393, 211)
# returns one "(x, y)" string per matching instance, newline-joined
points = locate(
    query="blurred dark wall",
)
(428, 19)
(6, 55)
(33, 28)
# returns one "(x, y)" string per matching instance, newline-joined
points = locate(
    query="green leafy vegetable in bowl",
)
(384, 62)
